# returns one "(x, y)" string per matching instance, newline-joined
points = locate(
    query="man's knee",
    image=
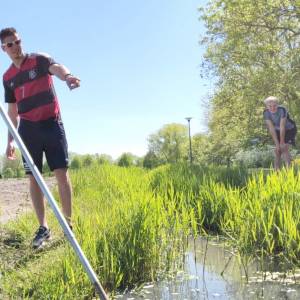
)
(62, 176)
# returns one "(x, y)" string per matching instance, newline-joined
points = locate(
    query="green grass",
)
(133, 226)
(129, 234)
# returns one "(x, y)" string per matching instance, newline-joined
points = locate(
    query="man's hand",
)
(72, 81)
(11, 151)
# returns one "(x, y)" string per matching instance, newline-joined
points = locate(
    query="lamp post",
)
(191, 156)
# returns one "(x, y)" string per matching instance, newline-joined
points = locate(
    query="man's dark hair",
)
(7, 32)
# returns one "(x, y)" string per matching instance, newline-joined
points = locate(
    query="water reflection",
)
(202, 279)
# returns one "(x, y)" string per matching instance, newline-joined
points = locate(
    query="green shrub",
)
(8, 173)
(255, 157)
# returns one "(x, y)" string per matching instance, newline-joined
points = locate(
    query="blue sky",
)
(139, 64)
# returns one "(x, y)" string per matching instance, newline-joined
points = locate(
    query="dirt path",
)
(15, 198)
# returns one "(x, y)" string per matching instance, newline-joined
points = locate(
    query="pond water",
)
(202, 279)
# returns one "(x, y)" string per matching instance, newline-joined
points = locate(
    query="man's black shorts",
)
(45, 137)
(290, 136)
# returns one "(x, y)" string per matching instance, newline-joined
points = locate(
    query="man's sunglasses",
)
(10, 44)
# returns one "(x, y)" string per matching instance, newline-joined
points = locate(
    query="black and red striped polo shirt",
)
(31, 88)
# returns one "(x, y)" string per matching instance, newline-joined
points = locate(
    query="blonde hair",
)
(271, 99)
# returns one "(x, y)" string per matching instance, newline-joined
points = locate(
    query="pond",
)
(202, 279)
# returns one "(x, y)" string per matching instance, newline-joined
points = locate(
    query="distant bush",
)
(75, 163)
(126, 160)
(20, 172)
(257, 157)
(104, 159)
(87, 160)
(8, 173)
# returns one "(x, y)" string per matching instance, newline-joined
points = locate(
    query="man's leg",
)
(32, 138)
(38, 201)
(43, 233)
(286, 155)
(277, 160)
(65, 192)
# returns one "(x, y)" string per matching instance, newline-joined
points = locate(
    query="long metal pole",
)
(63, 223)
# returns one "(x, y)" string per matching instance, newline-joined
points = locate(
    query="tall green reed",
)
(129, 234)
(134, 224)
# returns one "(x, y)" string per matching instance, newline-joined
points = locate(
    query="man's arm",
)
(63, 73)
(13, 115)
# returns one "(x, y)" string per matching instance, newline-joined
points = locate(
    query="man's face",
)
(272, 106)
(12, 46)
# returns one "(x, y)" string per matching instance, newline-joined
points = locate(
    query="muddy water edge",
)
(213, 271)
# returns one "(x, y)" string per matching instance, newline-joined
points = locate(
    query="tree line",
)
(252, 51)
(168, 145)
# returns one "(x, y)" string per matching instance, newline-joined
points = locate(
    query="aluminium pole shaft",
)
(63, 223)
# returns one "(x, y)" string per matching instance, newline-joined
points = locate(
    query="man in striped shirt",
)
(33, 108)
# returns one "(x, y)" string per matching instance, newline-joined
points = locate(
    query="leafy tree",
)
(126, 160)
(138, 161)
(169, 144)
(103, 159)
(201, 148)
(253, 50)
(87, 160)
(151, 161)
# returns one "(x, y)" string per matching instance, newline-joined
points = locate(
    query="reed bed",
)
(133, 225)
(129, 234)
(258, 212)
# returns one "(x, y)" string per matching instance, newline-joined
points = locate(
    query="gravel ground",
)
(15, 198)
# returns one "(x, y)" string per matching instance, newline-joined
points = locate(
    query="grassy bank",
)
(133, 226)
(129, 234)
